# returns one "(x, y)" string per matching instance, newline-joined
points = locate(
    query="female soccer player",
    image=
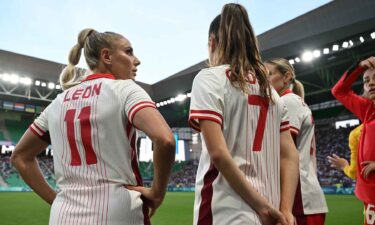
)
(364, 109)
(92, 130)
(244, 125)
(309, 204)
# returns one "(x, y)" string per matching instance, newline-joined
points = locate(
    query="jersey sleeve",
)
(295, 113)
(207, 99)
(40, 126)
(133, 98)
(284, 125)
(344, 93)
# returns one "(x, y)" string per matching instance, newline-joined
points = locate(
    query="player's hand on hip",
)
(150, 198)
(368, 167)
(271, 216)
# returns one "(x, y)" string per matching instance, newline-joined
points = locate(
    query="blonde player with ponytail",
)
(309, 205)
(91, 126)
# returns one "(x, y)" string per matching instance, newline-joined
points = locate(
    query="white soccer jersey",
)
(251, 127)
(309, 195)
(94, 144)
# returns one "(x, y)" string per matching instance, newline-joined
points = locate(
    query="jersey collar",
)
(99, 75)
(287, 91)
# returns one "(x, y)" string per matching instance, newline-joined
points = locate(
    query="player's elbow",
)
(217, 157)
(15, 159)
(166, 142)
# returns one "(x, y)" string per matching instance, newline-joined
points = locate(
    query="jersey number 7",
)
(84, 120)
(259, 133)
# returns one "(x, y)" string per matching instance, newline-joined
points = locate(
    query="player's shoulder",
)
(291, 97)
(292, 100)
(216, 74)
(121, 86)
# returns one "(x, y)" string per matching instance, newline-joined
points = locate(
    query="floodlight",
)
(180, 97)
(6, 77)
(316, 53)
(51, 85)
(25, 81)
(14, 79)
(307, 56)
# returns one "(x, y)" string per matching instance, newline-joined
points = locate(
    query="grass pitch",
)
(29, 209)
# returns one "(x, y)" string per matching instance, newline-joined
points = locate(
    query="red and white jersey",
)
(94, 148)
(251, 127)
(309, 195)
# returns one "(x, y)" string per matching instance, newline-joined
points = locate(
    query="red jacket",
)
(364, 109)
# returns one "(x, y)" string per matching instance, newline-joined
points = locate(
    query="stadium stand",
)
(329, 140)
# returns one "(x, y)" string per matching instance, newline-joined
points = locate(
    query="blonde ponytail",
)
(71, 76)
(298, 89)
(92, 42)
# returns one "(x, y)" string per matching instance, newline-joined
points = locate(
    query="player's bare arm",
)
(24, 159)
(289, 167)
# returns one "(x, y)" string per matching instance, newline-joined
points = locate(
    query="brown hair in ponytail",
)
(237, 45)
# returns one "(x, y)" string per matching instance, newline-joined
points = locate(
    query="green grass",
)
(29, 209)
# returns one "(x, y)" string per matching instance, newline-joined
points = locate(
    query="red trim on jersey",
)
(284, 129)
(208, 115)
(99, 75)
(35, 132)
(207, 112)
(284, 126)
(137, 107)
(287, 91)
(298, 204)
(205, 209)
(37, 127)
(207, 118)
(294, 130)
